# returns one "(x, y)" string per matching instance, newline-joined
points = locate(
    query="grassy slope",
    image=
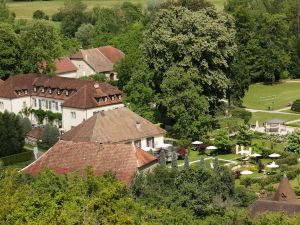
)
(259, 96)
(24, 10)
(262, 117)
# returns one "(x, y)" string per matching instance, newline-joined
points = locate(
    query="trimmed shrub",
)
(241, 113)
(39, 14)
(296, 106)
(16, 158)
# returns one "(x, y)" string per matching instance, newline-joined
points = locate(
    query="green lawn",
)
(262, 117)
(267, 143)
(24, 10)
(276, 96)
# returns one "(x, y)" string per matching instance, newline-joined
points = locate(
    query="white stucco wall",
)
(68, 75)
(81, 115)
(6, 105)
(83, 68)
(158, 140)
(90, 112)
(68, 121)
(18, 104)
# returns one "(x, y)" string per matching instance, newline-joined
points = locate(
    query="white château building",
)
(77, 100)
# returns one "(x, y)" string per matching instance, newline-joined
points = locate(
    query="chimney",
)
(96, 85)
(138, 125)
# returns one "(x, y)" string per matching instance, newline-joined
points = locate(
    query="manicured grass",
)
(267, 144)
(262, 117)
(276, 96)
(24, 10)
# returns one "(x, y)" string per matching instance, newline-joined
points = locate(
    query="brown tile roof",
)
(284, 200)
(113, 54)
(36, 133)
(76, 93)
(113, 126)
(64, 65)
(67, 156)
(284, 191)
(101, 59)
(1, 81)
(263, 206)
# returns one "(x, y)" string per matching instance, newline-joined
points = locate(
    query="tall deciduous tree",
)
(184, 106)
(12, 137)
(41, 44)
(10, 51)
(72, 16)
(190, 54)
(200, 41)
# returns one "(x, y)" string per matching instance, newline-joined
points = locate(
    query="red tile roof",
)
(101, 59)
(67, 156)
(113, 126)
(1, 81)
(36, 133)
(64, 65)
(113, 54)
(76, 93)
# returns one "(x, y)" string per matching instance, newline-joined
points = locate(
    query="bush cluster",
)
(296, 106)
(16, 158)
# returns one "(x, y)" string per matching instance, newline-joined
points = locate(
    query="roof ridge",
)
(104, 56)
(285, 191)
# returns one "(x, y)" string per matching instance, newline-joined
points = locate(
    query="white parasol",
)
(246, 172)
(197, 142)
(212, 148)
(274, 155)
(255, 155)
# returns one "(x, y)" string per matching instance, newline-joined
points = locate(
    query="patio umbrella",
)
(246, 172)
(212, 148)
(273, 165)
(274, 155)
(197, 142)
(255, 155)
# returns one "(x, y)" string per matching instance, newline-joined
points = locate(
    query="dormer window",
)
(58, 91)
(105, 99)
(67, 92)
(43, 90)
(19, 92)
(112, 98)
(26, 92)
(50, 91)
(119, 97)
(34, 89)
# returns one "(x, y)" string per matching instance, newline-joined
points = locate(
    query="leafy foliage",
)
(244, 136)
(50, 135)
(293, 142)
(9, 51)
(296, 106)
(12, 137)
(39, 14)
(222, 141)
(41, 45)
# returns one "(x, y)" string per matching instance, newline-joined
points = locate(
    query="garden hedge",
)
(16, 158)
(296, 106)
